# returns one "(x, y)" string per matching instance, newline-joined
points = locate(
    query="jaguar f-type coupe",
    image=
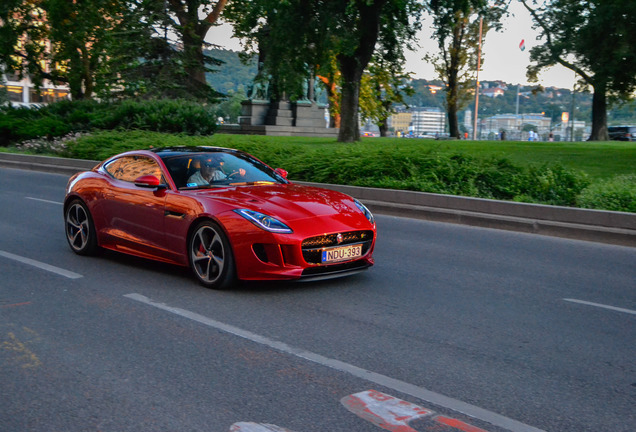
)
(222, 212)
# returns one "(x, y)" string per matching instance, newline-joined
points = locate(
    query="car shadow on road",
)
(185, 277)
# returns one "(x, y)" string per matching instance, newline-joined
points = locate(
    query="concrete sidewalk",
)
(581, 224)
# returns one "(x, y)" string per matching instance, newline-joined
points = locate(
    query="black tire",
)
(211, 257)
(80, 229)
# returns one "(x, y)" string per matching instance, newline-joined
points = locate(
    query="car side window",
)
(129, 168)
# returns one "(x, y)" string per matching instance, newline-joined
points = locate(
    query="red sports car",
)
(222, 212)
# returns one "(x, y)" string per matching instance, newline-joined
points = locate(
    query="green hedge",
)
(617, 193)
(374, 166)
(384, 164)
(65, 117)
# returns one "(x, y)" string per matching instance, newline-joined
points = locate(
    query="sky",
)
(503, 59)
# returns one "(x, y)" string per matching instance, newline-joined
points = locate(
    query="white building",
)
(428, 121)
(22, 92)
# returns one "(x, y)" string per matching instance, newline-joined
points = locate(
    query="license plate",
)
(342, 253)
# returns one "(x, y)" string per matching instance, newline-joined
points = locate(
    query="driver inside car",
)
(210, 171)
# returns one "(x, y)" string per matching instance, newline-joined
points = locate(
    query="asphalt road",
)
(476, 328)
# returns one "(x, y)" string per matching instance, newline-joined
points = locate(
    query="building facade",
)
(22, 92)
(428, 121)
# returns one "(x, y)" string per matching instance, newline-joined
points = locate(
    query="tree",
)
(143, 61)
(297, 37)
(383, 85)
(357, 28)
(192, 30)
(597, 40)
(57, 40)
(456, 29)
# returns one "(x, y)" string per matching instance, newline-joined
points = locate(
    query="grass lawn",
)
(588, 174)
(598, 159)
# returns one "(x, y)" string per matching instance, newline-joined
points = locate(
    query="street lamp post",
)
(481, 22)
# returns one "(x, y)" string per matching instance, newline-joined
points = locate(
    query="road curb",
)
(617, 228)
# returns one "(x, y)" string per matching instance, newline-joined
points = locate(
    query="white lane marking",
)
(383, 380)
(44, 200)
(41, 265)
(256, 427)
(614, 308)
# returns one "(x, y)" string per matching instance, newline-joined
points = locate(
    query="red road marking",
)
(15, 305)
(457, 424)
(384, 411)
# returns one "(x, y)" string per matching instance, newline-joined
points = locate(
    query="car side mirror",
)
(281, 172)
(149, 181)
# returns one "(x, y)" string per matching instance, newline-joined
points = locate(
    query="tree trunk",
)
(352, 66)
(195, 64)
(452, 71)
(599, 114)
(453, 124)
(349, 104)
(384, 129)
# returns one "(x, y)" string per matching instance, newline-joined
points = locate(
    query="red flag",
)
(522, 45)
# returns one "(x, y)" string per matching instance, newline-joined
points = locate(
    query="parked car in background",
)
(622, 133)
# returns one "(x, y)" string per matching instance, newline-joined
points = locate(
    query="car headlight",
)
(264, 221)
(365, 210)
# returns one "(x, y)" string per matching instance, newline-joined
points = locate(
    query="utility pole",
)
(481, 22)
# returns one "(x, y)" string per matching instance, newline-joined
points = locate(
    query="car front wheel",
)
(80, 230)
(211, 256)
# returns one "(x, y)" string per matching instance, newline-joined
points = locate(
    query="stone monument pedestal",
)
(281, 118)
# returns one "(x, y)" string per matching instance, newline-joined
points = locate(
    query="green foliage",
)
(553, 185)
(617, 193)
(595, 39)
(173, 116)
(459, 28)
(392, 166)
(61, 118)
(18, 124)
(487, 171)
(294, 39)
(230, 108)
(233, 73)
(101, 145)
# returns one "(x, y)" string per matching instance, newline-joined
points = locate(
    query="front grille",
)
(329, 240)
(312, 247)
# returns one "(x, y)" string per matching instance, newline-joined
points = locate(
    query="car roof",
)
(166, 152)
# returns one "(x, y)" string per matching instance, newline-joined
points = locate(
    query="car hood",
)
(294, 204)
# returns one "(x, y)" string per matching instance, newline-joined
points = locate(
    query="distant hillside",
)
(232, 74)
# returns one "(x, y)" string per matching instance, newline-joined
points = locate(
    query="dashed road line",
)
(614, 308)
(383, 380)
(256, 427)
(44, 200)
(41, 265)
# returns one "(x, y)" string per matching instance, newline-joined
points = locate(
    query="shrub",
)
(553, 185)
(171, 116)
(63, 117)
(617, 193)
(383, 166)
(18, 124)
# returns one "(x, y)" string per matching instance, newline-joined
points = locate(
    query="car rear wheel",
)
(211, 257)
(80, 230)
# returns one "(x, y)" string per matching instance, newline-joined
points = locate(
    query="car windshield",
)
(198, 170)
